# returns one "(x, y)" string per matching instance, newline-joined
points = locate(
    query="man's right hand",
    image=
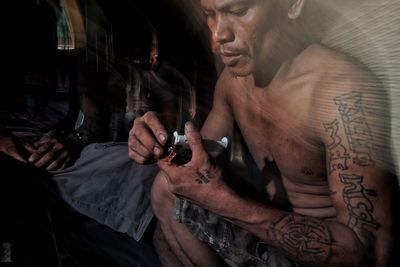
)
(9, 147)
(147, 138)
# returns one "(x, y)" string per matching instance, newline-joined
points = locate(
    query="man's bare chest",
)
(280, 143)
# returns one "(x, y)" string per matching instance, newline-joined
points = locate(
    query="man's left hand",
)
(198, 180)
(49, 153)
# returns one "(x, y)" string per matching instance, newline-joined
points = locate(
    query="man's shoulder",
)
(334, 77)
(333, 68)
(317, 49)
(326, 59)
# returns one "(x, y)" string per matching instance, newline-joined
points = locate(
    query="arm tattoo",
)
(203, 178)
(361, 219)
(357, 130)
(338, 155)
(357, 202)
(305, 238)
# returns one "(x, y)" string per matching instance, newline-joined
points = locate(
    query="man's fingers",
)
(46, 159)
(147, 138)
(157, 128)
(29, 148)
(60, 162)
(136, 157)
(49, 153)
(145, 143)
(194, 140)
(137, 151)
(41, 141)
(42, 150)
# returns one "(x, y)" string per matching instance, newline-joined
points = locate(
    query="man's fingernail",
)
(189, 126)
(156, 151)
(30, 159)
(162, 137)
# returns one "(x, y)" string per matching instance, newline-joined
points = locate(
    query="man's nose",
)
(222, 30)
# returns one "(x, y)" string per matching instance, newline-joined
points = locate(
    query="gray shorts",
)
(106, 185)
(237, 247)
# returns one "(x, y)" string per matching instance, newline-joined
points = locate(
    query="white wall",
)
(370, 31)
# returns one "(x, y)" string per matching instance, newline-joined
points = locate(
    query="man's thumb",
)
(194, 140)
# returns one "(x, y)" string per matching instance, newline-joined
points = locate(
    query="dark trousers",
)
(43, 231)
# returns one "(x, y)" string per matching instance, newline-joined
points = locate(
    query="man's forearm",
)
(307, 240)
(315, 242)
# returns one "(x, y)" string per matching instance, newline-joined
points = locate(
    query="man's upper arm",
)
(356, 133)
(219, 122)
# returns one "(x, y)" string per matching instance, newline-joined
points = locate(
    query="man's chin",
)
(240, 71)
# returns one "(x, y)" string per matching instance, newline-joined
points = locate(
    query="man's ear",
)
(295, 9)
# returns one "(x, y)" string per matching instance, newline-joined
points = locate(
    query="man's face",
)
(244, 32)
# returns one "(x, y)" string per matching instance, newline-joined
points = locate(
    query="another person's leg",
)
(105, 200)
(37, 228)
(181, 245)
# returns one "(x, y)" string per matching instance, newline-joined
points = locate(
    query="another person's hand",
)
(9, 147)
(198, 179)
(49, 153)
(147, 138)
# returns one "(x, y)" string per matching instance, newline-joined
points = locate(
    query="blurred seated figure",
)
(104, 183)
(69, 196)
(39, 138)
(38, 111)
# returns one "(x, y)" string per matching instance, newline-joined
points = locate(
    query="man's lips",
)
(230, 58)
(229, 53)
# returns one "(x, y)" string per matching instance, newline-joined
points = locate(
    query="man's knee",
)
(162, 200)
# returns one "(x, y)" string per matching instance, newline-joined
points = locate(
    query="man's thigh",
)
(236, 246)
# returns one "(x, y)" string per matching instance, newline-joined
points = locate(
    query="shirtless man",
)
(311, 113)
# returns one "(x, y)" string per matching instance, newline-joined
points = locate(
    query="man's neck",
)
(267, 71)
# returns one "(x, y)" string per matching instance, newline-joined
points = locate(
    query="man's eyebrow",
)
(206, 9)
(231, 3)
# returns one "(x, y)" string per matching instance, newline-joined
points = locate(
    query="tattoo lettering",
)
(359, 206)
(338, 155)
(371, 192)
(357, 130)
(301, 237)
(203, 178)
(307, 171)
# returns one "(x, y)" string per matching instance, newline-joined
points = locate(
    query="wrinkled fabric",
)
(106, 185)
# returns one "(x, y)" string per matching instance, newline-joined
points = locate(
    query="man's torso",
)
(280, 129)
